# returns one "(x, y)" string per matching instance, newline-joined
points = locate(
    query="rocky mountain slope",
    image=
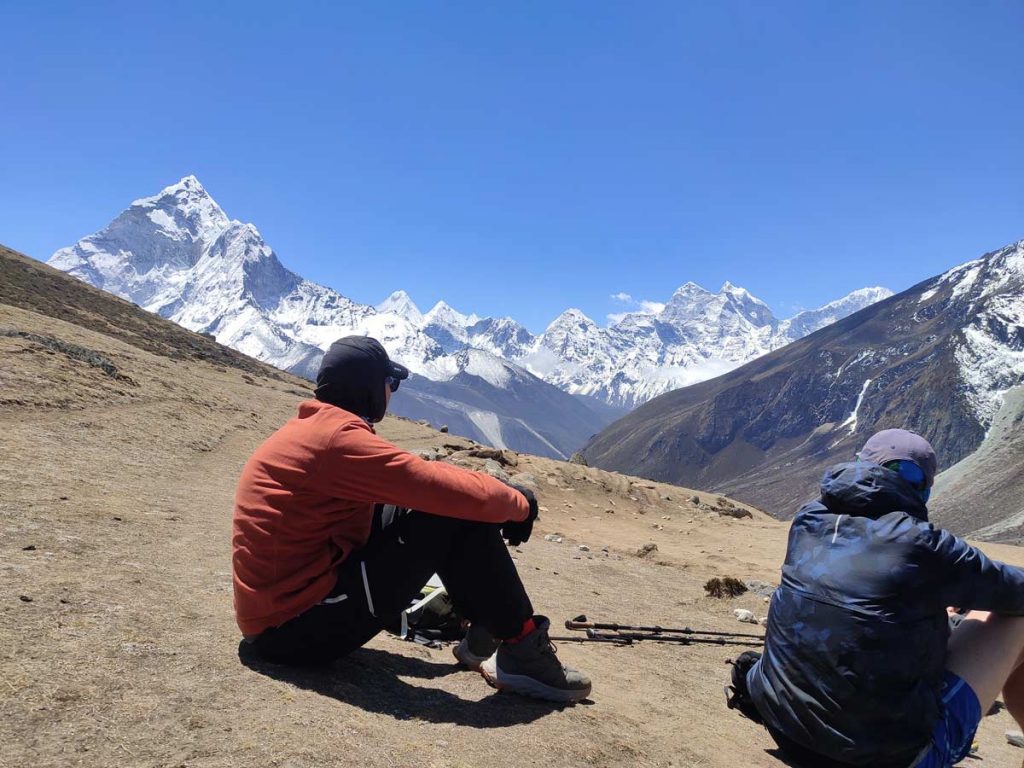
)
(123, 438)
(937, 358)
(177, 254)
(983, 495)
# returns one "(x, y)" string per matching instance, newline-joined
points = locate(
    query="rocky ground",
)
(117, 641)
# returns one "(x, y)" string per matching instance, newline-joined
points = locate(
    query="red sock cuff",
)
(528, 626)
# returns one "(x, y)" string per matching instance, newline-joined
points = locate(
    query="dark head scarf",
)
(352, 376)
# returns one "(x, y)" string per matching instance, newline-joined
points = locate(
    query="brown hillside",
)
(122, 437)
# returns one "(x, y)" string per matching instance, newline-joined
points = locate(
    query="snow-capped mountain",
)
(942, 358)
(811, 320)
(399, 303)
(696, 336)
(179, 255)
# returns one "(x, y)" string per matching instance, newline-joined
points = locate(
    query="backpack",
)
(737, 695)
(431, 617)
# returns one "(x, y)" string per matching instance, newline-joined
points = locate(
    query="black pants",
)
(377, 582)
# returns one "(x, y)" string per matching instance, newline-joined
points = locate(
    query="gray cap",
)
(901, 444)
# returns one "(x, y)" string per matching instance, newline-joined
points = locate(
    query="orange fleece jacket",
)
(305, 502)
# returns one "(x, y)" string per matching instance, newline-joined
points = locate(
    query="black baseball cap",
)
(352, 375)
(901, 445)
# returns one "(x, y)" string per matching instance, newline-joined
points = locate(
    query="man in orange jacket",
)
(321, 565)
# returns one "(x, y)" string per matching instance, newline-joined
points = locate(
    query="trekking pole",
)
(581, 623)
(614, 639)
(629, 638)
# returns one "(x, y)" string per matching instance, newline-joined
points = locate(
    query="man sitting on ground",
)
(859, 668)
(321, 565)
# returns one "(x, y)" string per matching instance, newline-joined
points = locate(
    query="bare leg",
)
(1013, 694)
(985, 650)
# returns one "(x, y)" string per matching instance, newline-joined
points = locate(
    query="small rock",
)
(583, 548)
(578, 458)
(1016, 738)
(666, 497)
(604, 549)
(423, 423)
(493, 468)
(29, 548)
(666, 517)
(63, 498)
(25, 598)
(429, 454)
(443, 428)
(609, 511)
(542, 509)
(119, 519)
(506, 458)
(525, 478)
(763, 621)
(647, 549)
(760, 588)
(553, 537)
(742, 614)
(735, 512)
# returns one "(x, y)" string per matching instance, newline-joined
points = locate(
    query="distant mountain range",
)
(179, 255)
(942, 358)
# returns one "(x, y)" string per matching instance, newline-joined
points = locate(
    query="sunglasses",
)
(913, 474)
(392, 383)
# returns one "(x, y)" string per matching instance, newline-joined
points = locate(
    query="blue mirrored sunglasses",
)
(913, 474)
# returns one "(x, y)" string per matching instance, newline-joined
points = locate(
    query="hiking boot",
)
(475, 648)
(530, 667)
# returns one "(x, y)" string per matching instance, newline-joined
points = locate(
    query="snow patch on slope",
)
(489, 425)
(851, 420)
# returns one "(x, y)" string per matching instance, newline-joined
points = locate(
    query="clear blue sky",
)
(523, 157)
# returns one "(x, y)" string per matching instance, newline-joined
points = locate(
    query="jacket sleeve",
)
(970, 579)
(359, 465)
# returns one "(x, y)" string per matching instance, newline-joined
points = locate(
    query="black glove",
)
(518, 532)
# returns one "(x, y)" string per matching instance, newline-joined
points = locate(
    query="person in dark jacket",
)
(859, 666)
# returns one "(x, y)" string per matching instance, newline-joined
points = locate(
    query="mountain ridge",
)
(937, 358)
(178, 253)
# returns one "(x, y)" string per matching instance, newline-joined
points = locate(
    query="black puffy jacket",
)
(856, 641)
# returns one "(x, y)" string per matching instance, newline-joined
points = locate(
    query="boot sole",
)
(469, 660)
(527, 686)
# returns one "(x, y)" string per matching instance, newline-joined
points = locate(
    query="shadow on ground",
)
(371, 680)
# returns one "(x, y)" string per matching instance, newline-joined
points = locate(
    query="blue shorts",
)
(954, 732)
